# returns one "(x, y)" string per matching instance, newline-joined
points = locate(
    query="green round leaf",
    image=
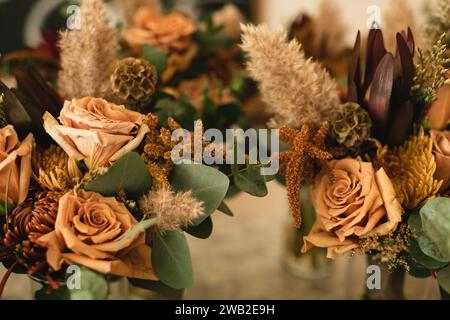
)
(160, 288)
(252, 182)
(93, 286)
(203, 230)
(128, 174)
(171, 259)
(207, 184)
(430, 249)
(157, 58)
(423, 259)
(225, 209)
(436, 225)
(443, 277)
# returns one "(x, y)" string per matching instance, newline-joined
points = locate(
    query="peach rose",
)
(438, 114)
(352, 201)
(96, 131)
(88, 232)
(170, 33)
(441, 141)
(15, 164)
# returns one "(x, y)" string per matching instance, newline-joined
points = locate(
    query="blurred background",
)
(250, 255)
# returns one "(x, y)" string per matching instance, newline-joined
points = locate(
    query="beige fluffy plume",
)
(296, 89)
(88, 54)
(173, 210)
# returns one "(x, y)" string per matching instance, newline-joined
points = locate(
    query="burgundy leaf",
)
(354, 71)
(380, 94)
(31, 84)
(375, 52)
(407, 66)
(411, 43)
(401, 124)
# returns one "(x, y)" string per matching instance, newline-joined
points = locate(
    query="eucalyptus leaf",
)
(435, 215)
(140, 227)
(225, 209)
(171, 259)
(252, 182)
(443, 277)
(207, 185)
(128, 174)
(203, 230)
(93, 286)
(430, 249)
(423, 259)
(164, 291)
(157, 58)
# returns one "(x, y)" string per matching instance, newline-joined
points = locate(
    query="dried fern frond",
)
(88, 54)
(296, 89)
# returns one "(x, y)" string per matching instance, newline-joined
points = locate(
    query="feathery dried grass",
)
(297, 90)
(88, 54)
(173, 210)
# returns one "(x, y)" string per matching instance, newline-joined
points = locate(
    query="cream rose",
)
(88, 231)
(441, 142)
(96, 131)
(352, 201)
(15, 165)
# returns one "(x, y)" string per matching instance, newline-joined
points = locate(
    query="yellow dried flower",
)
(411, 168)
(54, 170)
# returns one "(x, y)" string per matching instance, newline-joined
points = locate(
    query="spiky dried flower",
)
(29, 221)
(298, 90)
(431, 72)
(88, 54)
(411, 168)
(54, 170)
(174, 211)
(307, 148)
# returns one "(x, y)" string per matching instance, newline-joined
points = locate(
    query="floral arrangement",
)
(376, 168)
(86, 173)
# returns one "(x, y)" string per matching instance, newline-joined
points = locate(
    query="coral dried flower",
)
(307, 147)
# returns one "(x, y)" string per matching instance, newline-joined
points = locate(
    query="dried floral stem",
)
(297, 89)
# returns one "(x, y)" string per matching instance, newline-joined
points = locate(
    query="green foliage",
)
(93, 286)
(430, 73)
(45, 293)
(225, 209)
(439, 22)
(171, 259)
(443, 277)
(128, 174)
(156, 57)
(213, 38)
(140, 227)
(207, 185)
(435, 217)
(181, 110)
(164, 291)
(251, 181)
(203, 230)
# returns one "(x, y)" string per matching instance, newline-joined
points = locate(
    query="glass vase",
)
(311, 265)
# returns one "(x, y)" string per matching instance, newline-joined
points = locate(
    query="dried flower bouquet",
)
(377, 170)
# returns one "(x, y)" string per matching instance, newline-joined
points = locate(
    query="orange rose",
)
(438, 114)
(88, 232)
(96, 131)
(352, 201)
(15, 164)
(170, 33)
(441, 142)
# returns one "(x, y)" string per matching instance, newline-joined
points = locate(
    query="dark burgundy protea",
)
(385, 88)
